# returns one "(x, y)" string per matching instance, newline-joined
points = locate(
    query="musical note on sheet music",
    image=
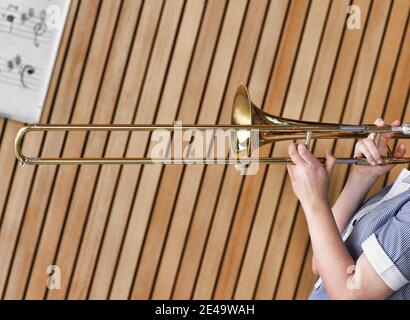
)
(25, 24)
(30, 34)
(15, 72)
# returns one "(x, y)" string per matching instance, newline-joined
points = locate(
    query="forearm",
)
(349, 200)
(351, 197)
(332, 258)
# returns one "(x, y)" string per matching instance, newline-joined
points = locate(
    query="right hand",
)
(367, 148)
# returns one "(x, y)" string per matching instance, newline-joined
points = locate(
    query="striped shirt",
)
(381, 230)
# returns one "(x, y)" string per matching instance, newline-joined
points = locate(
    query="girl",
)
(371, 260)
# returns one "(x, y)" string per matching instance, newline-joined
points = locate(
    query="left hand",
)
(309, 177)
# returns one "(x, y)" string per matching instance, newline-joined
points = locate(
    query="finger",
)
(371, 136)
(307, 155)
(294, 155)
(330, 161)
(379, 122)
(395, 123)
(362, 149)
(373, 150)
(400, 151)
(389, 135)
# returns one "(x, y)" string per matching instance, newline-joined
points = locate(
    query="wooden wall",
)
(186, 232)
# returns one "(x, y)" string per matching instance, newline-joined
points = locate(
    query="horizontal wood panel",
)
(189, 232)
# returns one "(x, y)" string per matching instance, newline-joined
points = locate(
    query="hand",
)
(368, 149)
(309, 177)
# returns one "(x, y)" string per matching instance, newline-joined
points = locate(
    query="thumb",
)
(330, 161)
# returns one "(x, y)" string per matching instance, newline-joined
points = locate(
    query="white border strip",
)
(382, 264)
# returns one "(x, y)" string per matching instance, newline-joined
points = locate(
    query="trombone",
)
(246, 118)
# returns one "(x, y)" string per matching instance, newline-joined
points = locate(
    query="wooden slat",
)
(54, 83)
(362, 81)
(307, 278)
(86, 96)
(190, 104)
(265, 54)
(293, 108)
(241, 67)
(239, 72)
(250, 193)
(16, 206)
(149, 99)
(181, 232)
(211, 100)
(104, 109)
(385, 65)
(170, 99)
(263, 217)
(320, 82)
(133, 82)
(46, 179)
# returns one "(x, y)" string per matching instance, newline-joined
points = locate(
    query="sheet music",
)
(30, 35)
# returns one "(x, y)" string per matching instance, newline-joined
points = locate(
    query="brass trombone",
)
(246, 117)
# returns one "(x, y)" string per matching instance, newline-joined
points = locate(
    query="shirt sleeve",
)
(388, 249)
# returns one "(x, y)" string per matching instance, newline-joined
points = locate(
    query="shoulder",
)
(403, 215)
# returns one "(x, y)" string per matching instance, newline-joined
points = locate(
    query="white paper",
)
(30, 35)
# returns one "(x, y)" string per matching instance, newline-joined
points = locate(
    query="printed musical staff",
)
(16, 73)
(30, 33)
(29, 24)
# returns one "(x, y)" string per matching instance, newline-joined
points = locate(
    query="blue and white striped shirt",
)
(381, 230)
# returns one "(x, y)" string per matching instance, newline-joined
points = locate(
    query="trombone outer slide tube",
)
(199, 161)
(135, 127)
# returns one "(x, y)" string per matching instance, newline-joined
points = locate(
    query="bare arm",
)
(310, 181)
(351, 197)
(349, 200)
(342, 277)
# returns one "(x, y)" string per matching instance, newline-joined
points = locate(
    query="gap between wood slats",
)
(161, 290)
(323, 103)
(145, 243)
(376, 65)
(81, 98)
(284, 23)
(367, 102)
(297, 214)
(123, 239)
(352, 75)
(224, 90)
(50, 101)
(241, 70)
(80, 290)
(275, 148)
(205, 102)
(110, 73)
(224, 281)
(165, 101)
